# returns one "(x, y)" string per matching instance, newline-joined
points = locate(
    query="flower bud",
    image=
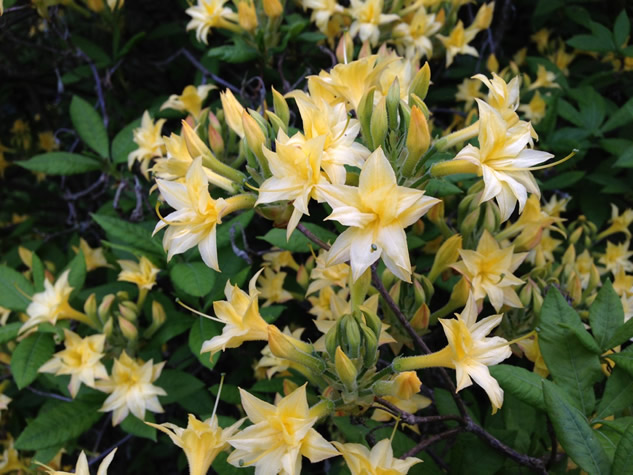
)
(246, 15)
(387, 278)
(421, 318)
(215, 140)
(276, 123)
(26, 256)
(420, 84)
(492, 217)
(105, 307)
(287, 347)
(484, 17)
(370, 346)
(273, 8)
(289, 386)
(281, 107)
(364, 114)
(459, 295)
(345, 49)
(574, 288)
(403, 386)
(418, 135)
(90, 307)
(359, 288)
(575, 236)
(492, 64)
(469, 223)
(379, 126)
(331, 340)
(372, 320)
(107, 327)
(158, 319)
(129, 330)
(232, 112)
(349, 334)
(345, 369)
(392, 103)
(446, 255)
(255, 137)
(194, 143)
(569, 257)
(303, 276)
(128, 310)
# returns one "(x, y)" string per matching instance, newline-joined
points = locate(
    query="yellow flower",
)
(197, 213)
(623, 283)
(562, 59)
(368, 17)
(177, 159)
(201, 441)
(616, 257)
(142, 273)
(541, 38)
(503, 160)
(21, 134)
(246, 15)
(535, 109)
(544, 250)
(233, 112)
(207, 14)
(321, 304)
(323, 275)
(93, 256)
(619, 223)
(52, 304)
(81, 360)
(544, 78)
(377, 211)
(278, 258)
(585, 267)
(296, 169)
(280, 435)
(489, 271)
(380, 460)
(469, 352)
(272, 364)
(241, 318)
(502, 96)
(413, 35)
(131, 389)
(457, 42)
(533, 353)
(322, 11)
(47, 141)
(271, 287)
(149, 141)
(468, 91)
(82, 467)
(340, 148)
(190, 100)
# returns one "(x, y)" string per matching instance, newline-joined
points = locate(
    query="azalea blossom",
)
(131, 389)
(368, 17)
(380, 460)
(207, 14)
(82, 467)
(93, 256)
(201, 441)
(377, 212)
(149, 141)
(616, 257)
(280, 435)
(469, 352)
(142, 273)
(457, 42)
(413, 35)
(489, 271)
(81, 360)
(241, 318)
(322, 11)
(271, 287)
(325, 276)
(270, 364)
(190, 100)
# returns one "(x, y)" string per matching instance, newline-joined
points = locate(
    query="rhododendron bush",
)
(313, 236)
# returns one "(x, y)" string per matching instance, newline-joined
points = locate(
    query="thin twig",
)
(110, 449)
(411, 419)
(49, 395)
(552, 436)
(98, 87)
(312, 237)
(431, 440)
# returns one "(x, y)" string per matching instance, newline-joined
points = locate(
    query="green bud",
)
(420, 84)
(331, 340)
(90, 307)
(345, 369)
(370, 345)
(351, 335)
(372, 321)
(379, 125)
(393, 101)
(105, 307)
(470, 222)
(281, 108)
(364, 113)
(276, 122)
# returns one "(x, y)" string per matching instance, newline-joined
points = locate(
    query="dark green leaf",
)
(62, 422)
(239, 224)
(130, 233)
(438, 187)
(178, 384)
(9, 331)
(14, 289)
(574, 433)
(77, 275)
(123, 143)
(133, 425)
(202, 330)
(270, 314)
(618, 393)
(29, 355)
(623, 458)
(621, 117)
(621, 29)
(60, 163)
(622, 334)
(562, 181)
(606, 315)
(521, 383)
(298, 242)
(239, 52)
(89, 126)
(193, 278)
(624, 359)
(590, 43)
(38, 273)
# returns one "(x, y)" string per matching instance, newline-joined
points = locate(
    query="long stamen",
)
(217, 398)
(23, 292)
(197, 312)
(540, 167)
(160, 216)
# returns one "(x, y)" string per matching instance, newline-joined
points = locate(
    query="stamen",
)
(217, 398)
(160, 216)
(197, 312)
(24, 294)
(540, 167)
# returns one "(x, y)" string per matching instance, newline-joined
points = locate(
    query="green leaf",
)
(562, 181)
(38, 273)
(178, 384)
(623, 458)
(9, 331)
(77, 275)
(590, 43)
(625, 159)
(202, 330)
(14, 289)
(624, 359)
(584, 338)
(574, 433)
(133, 425)
(620, 117)
(89, 126)
(438, 187)
(521, 383)
(298, 242)
(239, 223)
(29, 355)
(621, 29)
(239, 52)
(572, 366)
(60, 423)
(270, 314)
(123, 143)
(606, 315)
(60, 163)
(618, 393)
(622, 334)
(193, 278)
(130, 233)
(230, 393)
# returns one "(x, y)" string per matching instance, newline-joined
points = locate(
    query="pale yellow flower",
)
(584, 267)
(380, 460)
(321, 304)
(623, 283)
(377, 211)
(368, 17)
(193, 223)
(532, 352)
(52, 304)
(489, 271)
(616, 257)
(190, 100)
(541, 38)
(207, 14)
(469, 352)
(47, 141)
(413, 35)
(149, 141)
(233, 112)
(271, 287)
(10, 458)
(554, 207)
(241, 318)
(296, 170)
(81, 360)
(82, 467)
(322, 11)
(535, 109)
(131, 389)
(177, 159)
(280, 435)
(619, 223)
(468, 91)
(278, 258)
(457, 42)
(324, 275)
(562, 59)
(544, 250)
(503, 96)
(142, 273)
(201, 441)
(93, 256)
(544, 78)
(272, 364)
